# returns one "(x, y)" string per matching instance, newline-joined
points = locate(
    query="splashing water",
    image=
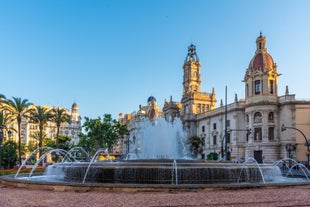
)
(160, 139)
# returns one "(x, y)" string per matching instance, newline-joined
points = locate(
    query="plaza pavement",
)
(267, 196)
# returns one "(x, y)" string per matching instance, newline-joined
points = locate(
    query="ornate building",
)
(253, 124)
(249, 127)
(28, 129)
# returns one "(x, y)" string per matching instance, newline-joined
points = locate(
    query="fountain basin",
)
(165, 171)
(151, 175)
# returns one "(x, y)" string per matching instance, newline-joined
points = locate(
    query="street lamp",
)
(283, 128)
(222, 146)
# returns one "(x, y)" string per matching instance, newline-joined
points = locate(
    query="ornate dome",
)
(151, 98)
(262, 59)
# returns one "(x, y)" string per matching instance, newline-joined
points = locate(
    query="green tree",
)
(9, 154)
(212, 156)
(32, 145)
(103, 133)
(41, 116)
(2, 98)
(5, 127)
(86, 143)
(196, 145)
(19, 108)
(49, 142)
(60, 116)
(64, 142)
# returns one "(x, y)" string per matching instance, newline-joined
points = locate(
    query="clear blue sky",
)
(110, 56)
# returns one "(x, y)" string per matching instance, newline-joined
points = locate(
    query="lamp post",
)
(222, 146)
(283, 128)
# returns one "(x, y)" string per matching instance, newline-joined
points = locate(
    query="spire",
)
(236, 98)
(286, 91)
(192, 55)
(261, 43)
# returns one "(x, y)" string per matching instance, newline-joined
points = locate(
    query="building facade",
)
(253, 125)
(247, 128)
(28, 129)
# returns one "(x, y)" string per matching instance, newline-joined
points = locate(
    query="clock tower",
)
(193, 100)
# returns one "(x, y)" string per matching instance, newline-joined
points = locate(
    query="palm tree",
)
(6, 121)
(60, 116)
(18, 108)
(41, 115)
(2, 100)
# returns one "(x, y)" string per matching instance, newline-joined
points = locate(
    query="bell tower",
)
(261, 77)
(191, 68)
(193, 100)
(261, 104)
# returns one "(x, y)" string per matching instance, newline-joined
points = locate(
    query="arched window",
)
(257, 87)
(258, 134)
(247, 118)
(258, 117)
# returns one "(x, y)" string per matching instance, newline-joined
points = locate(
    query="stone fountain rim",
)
(9, 180)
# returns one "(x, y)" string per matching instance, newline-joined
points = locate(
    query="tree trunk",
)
(57, 137)
(19, 144)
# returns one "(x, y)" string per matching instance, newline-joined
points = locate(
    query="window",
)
(198, 108)
(260, 45)
(258, 134)
(247, 89)
(270, 117)
(203, 107)
(247, 118)
(214, 126)
(214, 140)
(203, 129)
(271, 86)
(228, 137)
(258, 117)
(271, 133)
(257, 87)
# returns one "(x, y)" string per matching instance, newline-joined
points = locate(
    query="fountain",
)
(159, 139)
(160, 160)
